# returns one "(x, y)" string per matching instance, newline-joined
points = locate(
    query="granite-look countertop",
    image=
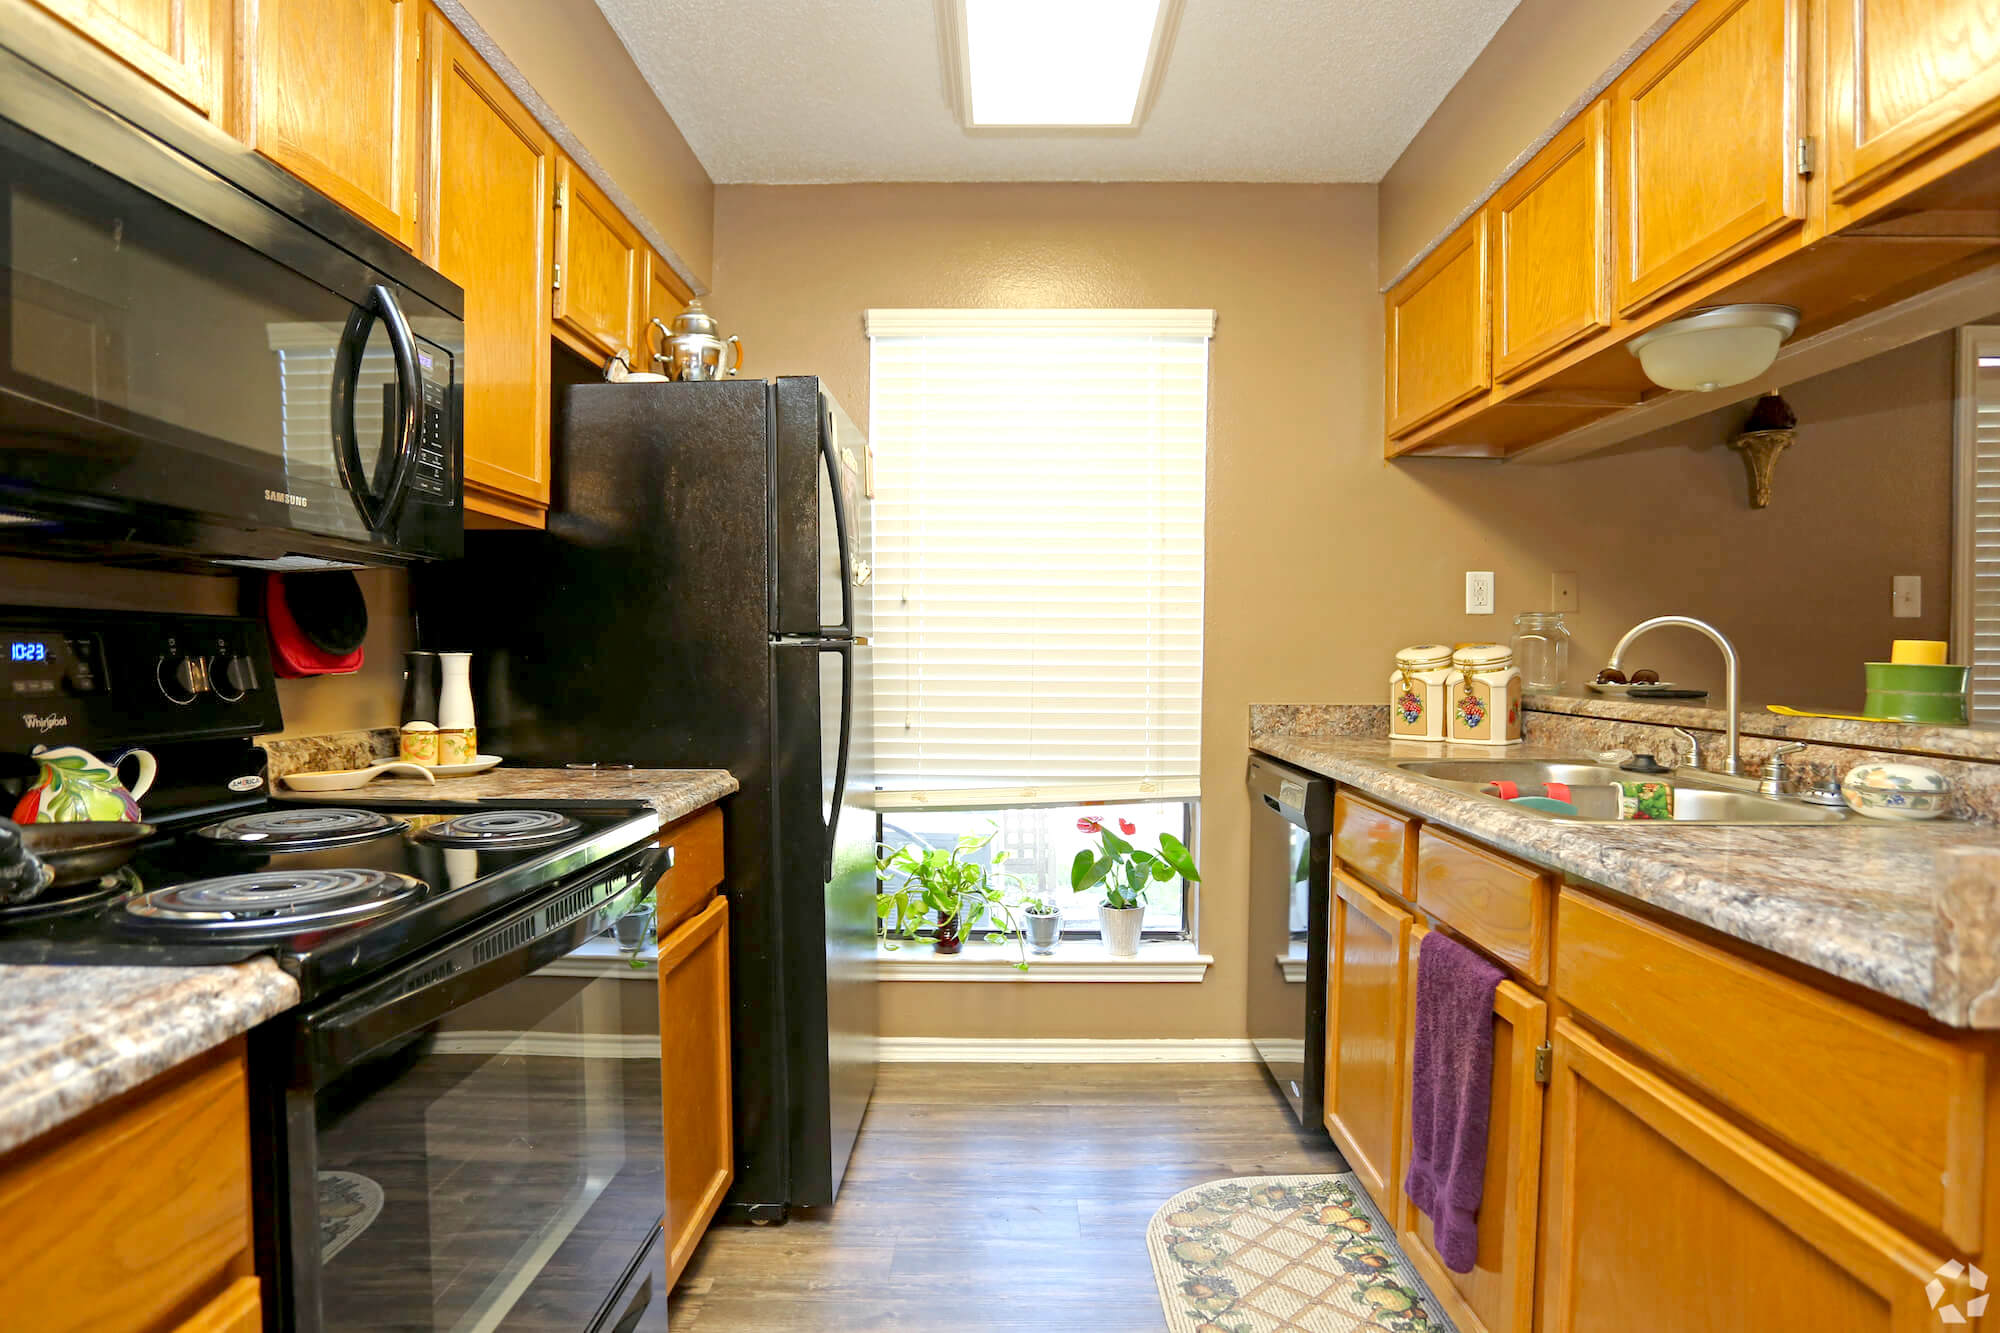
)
(674, 792)
(76, 1037)
(1911, 911)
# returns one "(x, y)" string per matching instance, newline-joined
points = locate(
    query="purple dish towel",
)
(1451, 1093)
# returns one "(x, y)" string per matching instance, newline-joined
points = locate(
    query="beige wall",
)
(568, 51)
(1544, 56)
(1323, 559)
(371, 697)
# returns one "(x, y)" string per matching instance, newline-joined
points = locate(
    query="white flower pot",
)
(1120, 927)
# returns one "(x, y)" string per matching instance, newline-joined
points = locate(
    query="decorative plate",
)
(477, 764)
(1628, 687)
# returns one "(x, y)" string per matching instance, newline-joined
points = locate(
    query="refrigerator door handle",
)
(845, 648)
(829, 455)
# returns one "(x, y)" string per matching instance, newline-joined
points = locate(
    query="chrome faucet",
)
(1732, 763)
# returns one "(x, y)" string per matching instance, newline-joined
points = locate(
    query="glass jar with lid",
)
(1541, 651)
(1419, 692)
(1485, 692)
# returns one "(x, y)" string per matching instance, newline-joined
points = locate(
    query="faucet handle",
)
(1694, 746)
(1774, 769)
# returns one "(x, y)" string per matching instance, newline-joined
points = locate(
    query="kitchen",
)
(1291, 246)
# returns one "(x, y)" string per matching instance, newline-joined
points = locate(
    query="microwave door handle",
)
(410, 379)
(828, 452)
(347, 459)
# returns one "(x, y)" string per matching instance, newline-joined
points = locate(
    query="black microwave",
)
(202, 360)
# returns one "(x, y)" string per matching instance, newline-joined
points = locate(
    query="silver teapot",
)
(694, 349)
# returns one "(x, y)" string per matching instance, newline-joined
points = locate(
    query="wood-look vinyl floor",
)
(1000, 1197)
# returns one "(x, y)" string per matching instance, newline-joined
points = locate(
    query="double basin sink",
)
(1695, 802)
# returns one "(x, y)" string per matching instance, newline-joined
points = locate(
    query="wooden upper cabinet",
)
(666, 296)
(331, 93)
(1435, 321)
(1498, 1295)
(1552, 247)
(181, 45)
(600, 268)
(1903, 77)
(1659, 1214)
(489, 171)
(694, 1072)
(1704, 144)
(1365, 1003)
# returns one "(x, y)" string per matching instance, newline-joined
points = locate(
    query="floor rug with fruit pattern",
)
(1271, 1254)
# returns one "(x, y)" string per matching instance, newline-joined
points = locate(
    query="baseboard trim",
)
(1065, 1051)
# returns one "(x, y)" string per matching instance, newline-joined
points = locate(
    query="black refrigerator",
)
(701, 599)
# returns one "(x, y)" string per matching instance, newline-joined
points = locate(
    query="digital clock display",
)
(27, 650)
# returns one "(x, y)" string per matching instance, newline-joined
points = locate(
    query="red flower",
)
(1127, 827)
(1089, 825)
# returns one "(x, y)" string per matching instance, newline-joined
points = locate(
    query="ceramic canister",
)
(458, 739)
(1485, 695)
(1418, 691)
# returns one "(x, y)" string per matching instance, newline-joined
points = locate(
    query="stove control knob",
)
(181, 678)
(231, 677)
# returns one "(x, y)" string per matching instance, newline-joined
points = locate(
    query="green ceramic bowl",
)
(1916, 692)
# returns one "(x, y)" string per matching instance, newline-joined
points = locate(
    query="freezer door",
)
(819, 464)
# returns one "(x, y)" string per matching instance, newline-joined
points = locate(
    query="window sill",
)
(1073, 960)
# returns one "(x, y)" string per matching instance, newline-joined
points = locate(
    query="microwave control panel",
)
(433, 471)
(95, 677)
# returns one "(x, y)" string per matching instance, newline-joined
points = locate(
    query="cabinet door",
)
(600, 261)
(1704, 143)
(666, 296)
(239, 1309)
(694, 1073)
(1436, 324)
(331, 94)
(488, 173)
(1498, 1295)
(1552, 248)
(1661, 1214)
(1365, 1005)
(1903, 78)
(182, 45)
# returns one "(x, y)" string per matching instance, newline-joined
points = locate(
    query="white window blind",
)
(1038, 549)
(1975, 592)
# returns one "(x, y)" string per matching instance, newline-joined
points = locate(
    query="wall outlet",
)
(1479, 592)
(1906, 600)
(1562, 590)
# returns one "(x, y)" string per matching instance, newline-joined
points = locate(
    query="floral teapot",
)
(75, 785)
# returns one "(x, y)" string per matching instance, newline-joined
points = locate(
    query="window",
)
(1038, 573)
(1975, 584)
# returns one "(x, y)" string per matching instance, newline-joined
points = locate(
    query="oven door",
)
(185, 370)
(483, 1150)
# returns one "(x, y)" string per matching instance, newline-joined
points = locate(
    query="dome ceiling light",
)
(1714, 348)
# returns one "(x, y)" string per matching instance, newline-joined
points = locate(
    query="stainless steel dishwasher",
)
(1291, 873)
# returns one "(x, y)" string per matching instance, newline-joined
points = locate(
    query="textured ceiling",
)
(797, 91)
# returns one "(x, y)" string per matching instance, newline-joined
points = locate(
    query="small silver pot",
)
(1043, 931)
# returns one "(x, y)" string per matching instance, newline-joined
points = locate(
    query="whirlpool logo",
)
(44, 723)
(1951, 1271)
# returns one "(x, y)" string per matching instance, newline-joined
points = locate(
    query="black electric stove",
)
(463, 992)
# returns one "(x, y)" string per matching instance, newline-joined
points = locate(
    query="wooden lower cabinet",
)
(1660, 1214)
(1498, 1295)
(1366, 999)
(695, 1078)
(136, 1217)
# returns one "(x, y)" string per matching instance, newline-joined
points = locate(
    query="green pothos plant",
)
(947, 889)
(1126, 871)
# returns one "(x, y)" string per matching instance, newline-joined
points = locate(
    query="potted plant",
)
(946, 889)
(1126, 872)
(1044, 924)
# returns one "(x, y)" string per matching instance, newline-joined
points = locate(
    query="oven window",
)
(501, 1171)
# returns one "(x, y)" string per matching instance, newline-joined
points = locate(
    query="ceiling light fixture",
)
(1054, 64)
(1716, 347)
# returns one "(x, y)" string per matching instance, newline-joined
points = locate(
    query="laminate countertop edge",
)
(1908, 911)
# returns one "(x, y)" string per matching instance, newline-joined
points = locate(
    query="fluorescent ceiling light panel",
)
(1059, 62)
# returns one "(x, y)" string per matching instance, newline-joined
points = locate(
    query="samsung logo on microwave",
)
(287, 498)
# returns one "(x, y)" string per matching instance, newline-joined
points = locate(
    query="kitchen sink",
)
(1695, 802)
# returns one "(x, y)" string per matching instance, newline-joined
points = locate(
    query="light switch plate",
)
(1479, 592)
(1907, 598)
(1562, 590)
